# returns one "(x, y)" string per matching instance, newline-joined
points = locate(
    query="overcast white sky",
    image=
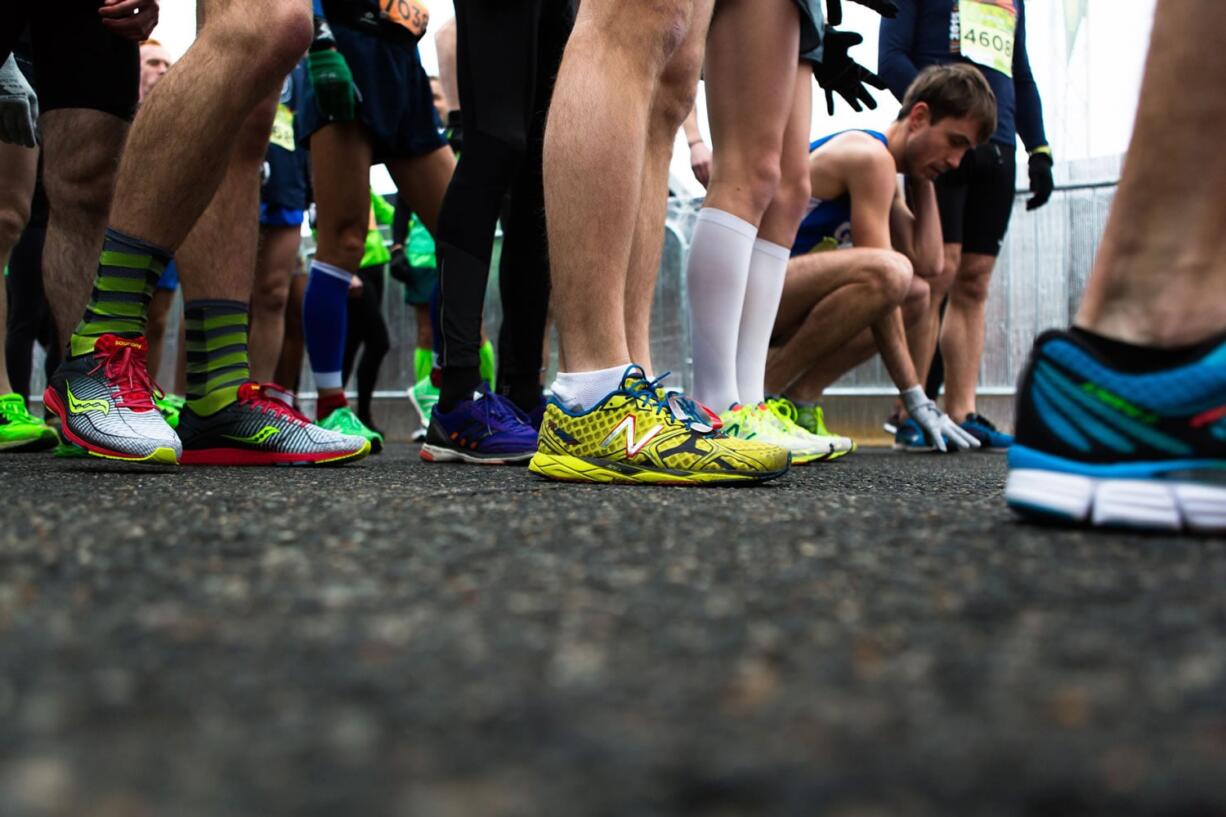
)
(1089, 86)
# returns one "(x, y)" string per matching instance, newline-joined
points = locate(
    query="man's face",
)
(440, 101)
(933, 149)
(154, 63)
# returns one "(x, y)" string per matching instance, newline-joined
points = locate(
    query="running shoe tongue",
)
(633, 377)
(123, 360)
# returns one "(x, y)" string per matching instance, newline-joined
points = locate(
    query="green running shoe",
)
(810, 417)
(68, 451)
(20, 430)
(170, 405)
(344, 421)
(423, 395)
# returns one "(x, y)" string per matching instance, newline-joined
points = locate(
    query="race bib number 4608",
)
(988, 31)
(409, 14)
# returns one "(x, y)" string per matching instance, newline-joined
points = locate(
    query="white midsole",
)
(1134, 503)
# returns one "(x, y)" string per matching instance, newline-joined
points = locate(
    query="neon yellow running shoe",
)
(760, 424)
(633, 437)
(811, 421)
(20, 430)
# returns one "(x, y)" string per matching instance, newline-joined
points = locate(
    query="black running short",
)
(811, 27)
(976, 199)
(77, 62)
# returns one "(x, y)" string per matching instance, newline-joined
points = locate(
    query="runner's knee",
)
(973, 284)
(891, 275)
(12, 223)
(678, 87)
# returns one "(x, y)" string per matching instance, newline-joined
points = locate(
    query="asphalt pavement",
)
(877, 636)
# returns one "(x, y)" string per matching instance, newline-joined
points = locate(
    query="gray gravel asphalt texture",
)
(877, 636)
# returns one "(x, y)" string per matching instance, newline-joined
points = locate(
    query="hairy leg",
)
(1161, 271)
(180, 146)
(81, 158)
(673, 101)
(595, 147)
(18, 166)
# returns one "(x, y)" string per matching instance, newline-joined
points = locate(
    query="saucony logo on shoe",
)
(76, 406)
(259, 438)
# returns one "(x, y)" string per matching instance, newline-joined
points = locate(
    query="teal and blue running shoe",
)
(1101, 445)
(982, 429)
(911, 438)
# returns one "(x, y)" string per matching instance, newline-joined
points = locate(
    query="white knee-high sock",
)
(768, 266)
(715, 280)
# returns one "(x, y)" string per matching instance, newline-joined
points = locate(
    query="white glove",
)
(936, 424)
(18, 107)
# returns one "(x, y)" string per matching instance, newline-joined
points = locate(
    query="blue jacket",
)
(919, 37)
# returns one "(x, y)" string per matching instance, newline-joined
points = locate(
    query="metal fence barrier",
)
(1038, 283)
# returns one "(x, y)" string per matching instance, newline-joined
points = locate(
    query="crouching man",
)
(862, 260)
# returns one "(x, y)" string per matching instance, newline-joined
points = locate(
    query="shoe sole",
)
(159, 456)
(39, 443)
(240, 457)
(1110, 496)
(434, 453)
(575, 469)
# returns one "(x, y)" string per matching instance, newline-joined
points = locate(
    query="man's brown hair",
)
(953, 90)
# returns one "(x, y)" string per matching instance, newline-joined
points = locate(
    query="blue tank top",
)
(827, 225)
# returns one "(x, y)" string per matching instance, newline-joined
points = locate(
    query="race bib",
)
(988, 28)
(408, 14)
(283, 129)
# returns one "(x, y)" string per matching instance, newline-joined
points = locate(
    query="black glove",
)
(839, 73)
(834, 9)
(399, 267)
(1041, 182)
(455, 131)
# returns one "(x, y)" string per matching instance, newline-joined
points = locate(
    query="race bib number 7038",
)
(410, 14)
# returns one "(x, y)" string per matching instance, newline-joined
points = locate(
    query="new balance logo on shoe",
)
(627, 426)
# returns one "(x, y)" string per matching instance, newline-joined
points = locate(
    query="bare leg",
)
(340, 164)
(927, 331)
(963, 331)
(1161, 271)
(18, 166)
(180, 146)
(422, 181)
(595, 152)
(81, 155)
(289, 366)
(828, 299)
(885, 337)
(674, 98)
(218, 256)
(155, 327)
(276, 261)
(753, 46)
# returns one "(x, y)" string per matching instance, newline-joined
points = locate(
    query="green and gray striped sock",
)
(216, 353)
(128, 270)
